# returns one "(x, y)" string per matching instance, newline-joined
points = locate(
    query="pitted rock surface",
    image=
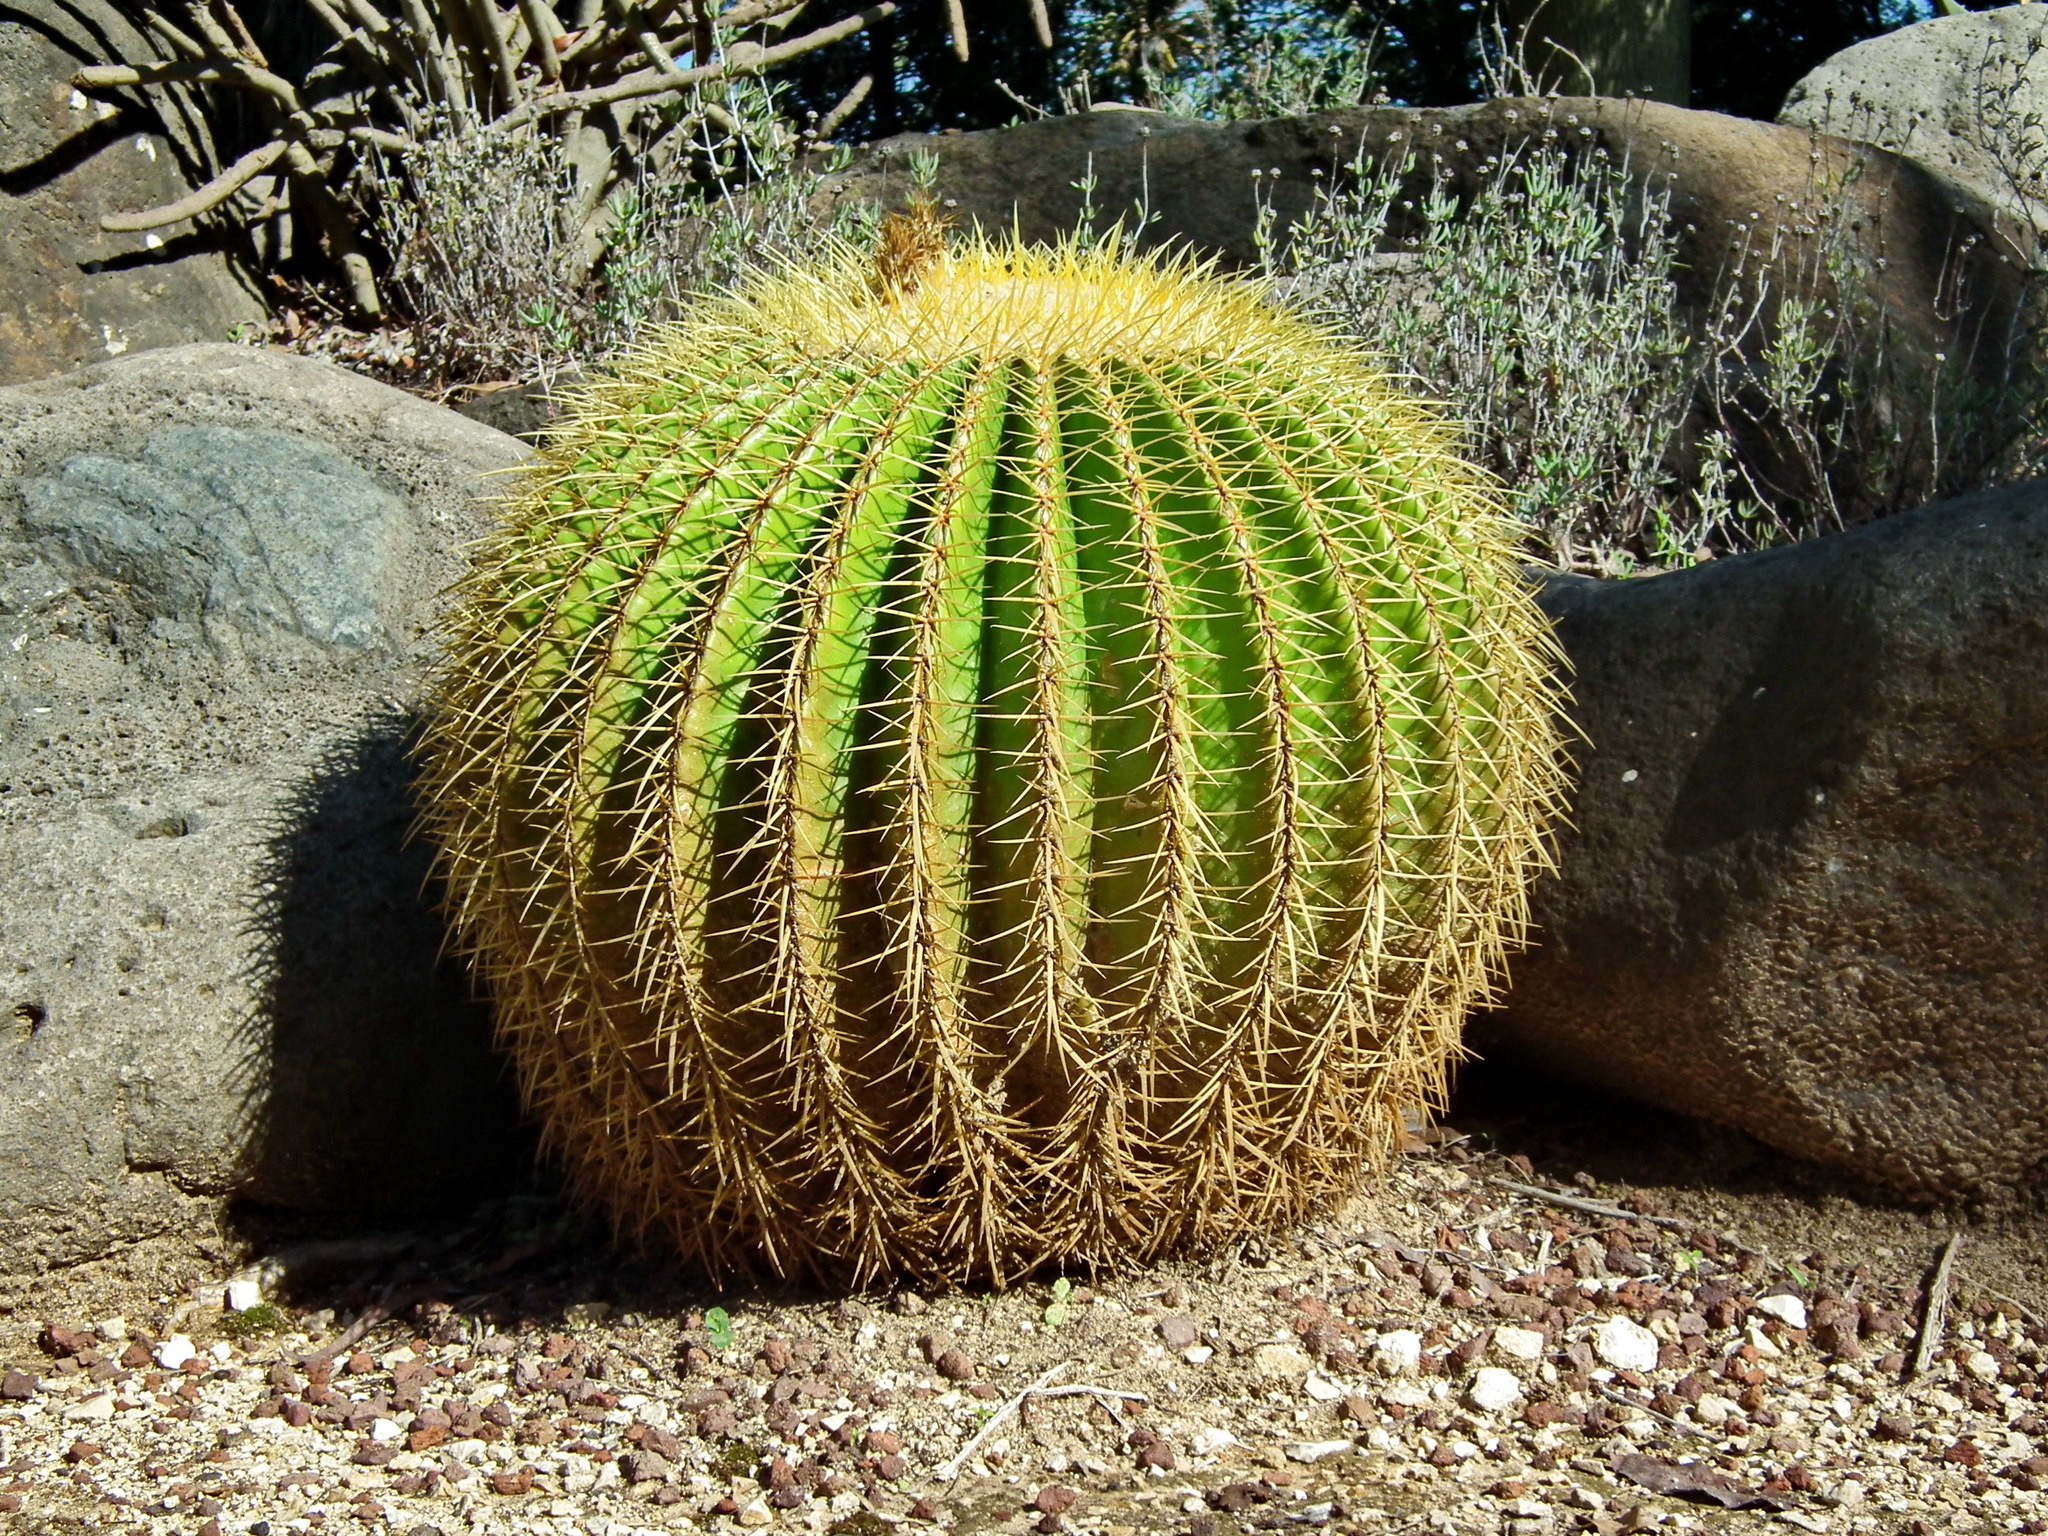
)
(1804, 891)
(218, 571)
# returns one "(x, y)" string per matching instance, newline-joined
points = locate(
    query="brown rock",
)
(1054, 1500)
(955, 1366)
(645, 1466)
(662, 1443)
(1158, 1454)
(512, 1484)
(1177, 1331)
(17, 1386)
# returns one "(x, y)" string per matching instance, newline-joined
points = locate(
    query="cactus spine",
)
(993, 758)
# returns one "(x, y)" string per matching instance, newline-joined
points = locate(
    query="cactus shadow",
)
(370, 1084)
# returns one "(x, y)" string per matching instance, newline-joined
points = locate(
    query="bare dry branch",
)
(655, 83)
(846, 106)
(205, 199)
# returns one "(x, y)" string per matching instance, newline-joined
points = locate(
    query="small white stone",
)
(113, 1329)
(1763, 1343)
(1398, 1353)
(1405, 1394)
(1464, 1450)
(384, 1431)
(1713, 1410)
(1313, 1451)
(1625, 1345)
(1493, 1390)
(1209, 1441)
(1526, 1509)
(99, 1406)
(1281, 1362)
(1789, 1310)
(175, 1351)
(1981, 1365)
(1321, 1388)
(244, 1294)
(755, 1514)
(221, 1353)
(1518, 1343)
(1198, 1354)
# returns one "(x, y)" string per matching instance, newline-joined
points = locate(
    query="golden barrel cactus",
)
(989, 758)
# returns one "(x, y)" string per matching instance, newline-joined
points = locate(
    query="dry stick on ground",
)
(1611, 1212)
(1678, 1426)
(1937, 1306)
(952, 1468)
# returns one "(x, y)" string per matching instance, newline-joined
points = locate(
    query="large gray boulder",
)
(222, 977)
(1804, 891)
(70, 292)
(1965, 96)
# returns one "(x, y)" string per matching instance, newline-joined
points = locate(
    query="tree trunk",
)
(1606, 47)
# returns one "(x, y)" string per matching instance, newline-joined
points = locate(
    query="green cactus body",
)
(1031, 768)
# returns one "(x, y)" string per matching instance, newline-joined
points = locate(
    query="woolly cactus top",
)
(1035, 303)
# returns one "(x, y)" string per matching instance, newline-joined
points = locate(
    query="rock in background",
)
(221, 967)
(1954, 94)
(70, 293)
(1805, 887)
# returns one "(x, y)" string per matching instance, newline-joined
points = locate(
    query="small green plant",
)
(1056, 1311)
(738, 1460)
(718, 1328)
(250, 1322)
(1686, 1261)
(1543, 310)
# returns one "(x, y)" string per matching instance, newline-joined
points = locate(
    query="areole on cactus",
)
(989, 757)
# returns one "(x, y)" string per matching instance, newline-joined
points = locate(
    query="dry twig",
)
(1936, 1315)
(952, 1468)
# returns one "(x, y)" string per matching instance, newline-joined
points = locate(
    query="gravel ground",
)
(1457, 1355)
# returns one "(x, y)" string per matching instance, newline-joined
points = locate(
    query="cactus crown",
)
(917, 299)
(989, 757)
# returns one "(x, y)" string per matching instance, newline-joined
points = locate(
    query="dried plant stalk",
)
(1028, 766)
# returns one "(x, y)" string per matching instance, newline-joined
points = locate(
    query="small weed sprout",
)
(718, 1328)
(252, 1322)
(1056, 1314)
